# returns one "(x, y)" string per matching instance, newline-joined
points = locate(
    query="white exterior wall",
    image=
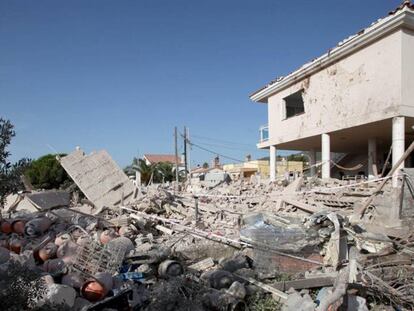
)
(361, 88)
(407, 107)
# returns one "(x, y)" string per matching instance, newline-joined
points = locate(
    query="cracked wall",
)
(361, 88)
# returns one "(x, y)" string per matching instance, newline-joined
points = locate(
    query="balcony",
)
(264, 133)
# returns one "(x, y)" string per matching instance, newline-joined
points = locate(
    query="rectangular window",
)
(294, 104)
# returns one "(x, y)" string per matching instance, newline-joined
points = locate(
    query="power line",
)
(226, 147)
(214, 152)
(221, 140)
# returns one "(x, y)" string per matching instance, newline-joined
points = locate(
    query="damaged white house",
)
(357, 99)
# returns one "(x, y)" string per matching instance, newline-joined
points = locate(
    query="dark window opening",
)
(294, 104)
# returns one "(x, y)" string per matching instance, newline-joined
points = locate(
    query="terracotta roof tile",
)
(156, 158)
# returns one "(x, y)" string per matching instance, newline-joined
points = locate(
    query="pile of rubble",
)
(307, 244)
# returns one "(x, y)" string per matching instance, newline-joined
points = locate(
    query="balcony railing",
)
(264, 133)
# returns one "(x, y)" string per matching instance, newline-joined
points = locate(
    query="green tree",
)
(47, 173)
(10, 181)
(163, 172)
(297, 157)
(205, 165)
(141, 166)
(158, 173)
(132, 168)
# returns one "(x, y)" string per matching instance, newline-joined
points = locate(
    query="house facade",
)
(261, 167)
(158, 158)
(356, 98)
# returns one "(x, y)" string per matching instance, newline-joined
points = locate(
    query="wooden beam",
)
(304, 283)
(264, 286)
(302, 206)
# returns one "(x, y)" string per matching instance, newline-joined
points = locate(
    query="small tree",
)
(205, 165)
(47, 173)
(10, 174)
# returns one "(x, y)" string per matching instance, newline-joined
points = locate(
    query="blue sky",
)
(119, 75)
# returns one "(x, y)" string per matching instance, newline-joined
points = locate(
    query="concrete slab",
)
(49, 199)
(99, 177)
(14, 202)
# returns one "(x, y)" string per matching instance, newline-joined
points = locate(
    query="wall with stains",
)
(361, 88)
(407, 106)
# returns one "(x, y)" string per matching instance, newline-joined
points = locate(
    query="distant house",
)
(215, 176)
(210, 176)
(261, 167)
(157, 158)
(199, 172)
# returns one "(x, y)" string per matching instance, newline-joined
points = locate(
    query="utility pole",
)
(188, 154)
(185, 152)
(176, 156)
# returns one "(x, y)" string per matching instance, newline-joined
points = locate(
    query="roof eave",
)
(403, 19)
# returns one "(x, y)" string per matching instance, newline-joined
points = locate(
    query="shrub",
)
(47, 173)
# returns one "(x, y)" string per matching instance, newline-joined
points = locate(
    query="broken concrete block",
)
(294, 186)
(17, 202)
(99, 178)
(297, 302)
(49, 199)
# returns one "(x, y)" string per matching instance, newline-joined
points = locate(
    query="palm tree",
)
(157, 173)
(142, 167)
(163, 172)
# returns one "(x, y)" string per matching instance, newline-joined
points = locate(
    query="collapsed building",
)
(305, 244)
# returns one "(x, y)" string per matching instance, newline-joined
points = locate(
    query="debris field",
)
(304, 244)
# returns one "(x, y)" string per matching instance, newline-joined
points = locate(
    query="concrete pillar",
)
(326, 156)
(312, 161)
(398, 146)
(272, 163)
(372, 157)
(138, 178)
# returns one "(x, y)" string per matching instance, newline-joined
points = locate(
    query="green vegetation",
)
(21, 287)
(157, 173)
(47, 173)
(10, 181)
(263, 302)
(297, 157)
